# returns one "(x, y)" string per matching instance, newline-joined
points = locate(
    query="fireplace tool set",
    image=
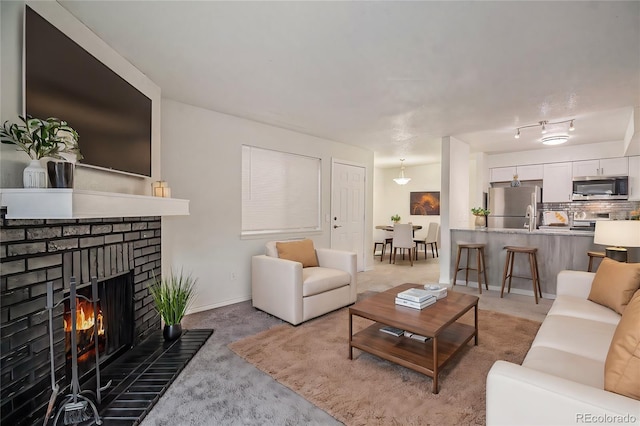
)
(75, 407)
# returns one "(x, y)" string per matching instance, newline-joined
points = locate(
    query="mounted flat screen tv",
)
(63, 80)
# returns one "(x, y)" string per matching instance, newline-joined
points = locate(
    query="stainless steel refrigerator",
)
(514, 207)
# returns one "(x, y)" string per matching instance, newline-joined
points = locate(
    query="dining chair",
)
(431, 239)
(382, 239)
(403, 239)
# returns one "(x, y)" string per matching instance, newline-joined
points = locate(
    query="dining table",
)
(390, 228)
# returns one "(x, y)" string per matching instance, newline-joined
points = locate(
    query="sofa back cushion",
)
(299, 251)
(614, 284)
(622, 366)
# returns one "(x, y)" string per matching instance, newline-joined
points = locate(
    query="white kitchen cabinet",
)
(556, 182)
(604, 167)
(505, 174)
(586, 168)
(634, 178)
(502, 174)
(532, 172)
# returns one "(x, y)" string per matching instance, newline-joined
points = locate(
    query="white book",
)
(415, 336)
(415, 305)
(436, 290)
(415, 295)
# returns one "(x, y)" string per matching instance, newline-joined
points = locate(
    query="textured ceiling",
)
(394, 77)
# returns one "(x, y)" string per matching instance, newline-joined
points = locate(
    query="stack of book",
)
(415, 298)
(436, 290)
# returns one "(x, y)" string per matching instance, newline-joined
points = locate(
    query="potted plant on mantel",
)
(40, 138)
(481, 216)
(172, 296)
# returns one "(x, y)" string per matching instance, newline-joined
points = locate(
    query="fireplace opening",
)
(115, 325)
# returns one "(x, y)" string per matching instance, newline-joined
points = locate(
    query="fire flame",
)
(84, 317)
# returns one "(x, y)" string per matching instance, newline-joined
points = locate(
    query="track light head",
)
(571, 127)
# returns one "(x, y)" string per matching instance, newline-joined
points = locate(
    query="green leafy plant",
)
(41, 138)
(395, 218)
(172, 296)
(479, 211)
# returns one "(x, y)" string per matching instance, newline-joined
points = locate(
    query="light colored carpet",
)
(218, 387)
(312, 359)
(385, 276)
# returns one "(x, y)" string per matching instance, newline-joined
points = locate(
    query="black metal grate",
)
(142, 375)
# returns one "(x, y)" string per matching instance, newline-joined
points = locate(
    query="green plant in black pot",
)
(172, 296)
(38, 138)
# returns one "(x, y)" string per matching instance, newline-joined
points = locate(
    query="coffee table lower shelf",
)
(411, 353)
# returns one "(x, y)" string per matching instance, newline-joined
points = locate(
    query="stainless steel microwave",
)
(600, 188)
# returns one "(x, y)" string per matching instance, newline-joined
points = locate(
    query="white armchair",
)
(285, 289)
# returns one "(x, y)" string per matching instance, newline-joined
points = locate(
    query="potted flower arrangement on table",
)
(49, 138)
(481, 216)
(395, 219)
(172, 296)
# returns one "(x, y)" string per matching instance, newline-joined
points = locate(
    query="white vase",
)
(481, 222)
(34, 175)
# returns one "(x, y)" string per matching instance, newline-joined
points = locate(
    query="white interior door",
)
(347, 209)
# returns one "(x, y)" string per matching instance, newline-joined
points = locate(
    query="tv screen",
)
(63, 80)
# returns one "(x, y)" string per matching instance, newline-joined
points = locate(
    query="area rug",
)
(312, 360)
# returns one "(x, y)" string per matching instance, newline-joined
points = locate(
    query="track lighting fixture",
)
(552, 140)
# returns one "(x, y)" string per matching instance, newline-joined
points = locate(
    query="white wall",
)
(454, 205)
(12, 161)
(391, 198)
(201, 161)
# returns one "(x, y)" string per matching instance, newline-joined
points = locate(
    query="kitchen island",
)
(557, 250)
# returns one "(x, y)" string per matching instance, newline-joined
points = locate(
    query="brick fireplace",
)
(33, 252)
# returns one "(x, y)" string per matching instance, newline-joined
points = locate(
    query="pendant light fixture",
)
(402, 180)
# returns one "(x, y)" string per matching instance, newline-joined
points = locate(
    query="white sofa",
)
(295, 294)
(561, 380)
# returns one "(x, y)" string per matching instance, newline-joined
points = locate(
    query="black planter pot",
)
(60, 174)
(172, 332)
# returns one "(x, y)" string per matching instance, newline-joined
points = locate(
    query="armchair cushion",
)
(614, 284)
(319, 280)
(299, 251)
(622, 366)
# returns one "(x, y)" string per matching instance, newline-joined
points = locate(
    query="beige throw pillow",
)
(622, 366)
(299, 251)
(614, 284)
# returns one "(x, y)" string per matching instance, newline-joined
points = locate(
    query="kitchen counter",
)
(557, 250)
(559, 231)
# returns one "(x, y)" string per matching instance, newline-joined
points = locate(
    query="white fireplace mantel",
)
(54, 203)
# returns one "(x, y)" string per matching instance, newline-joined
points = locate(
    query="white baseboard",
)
(217, 305)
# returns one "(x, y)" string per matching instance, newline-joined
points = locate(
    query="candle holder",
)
(160, 189)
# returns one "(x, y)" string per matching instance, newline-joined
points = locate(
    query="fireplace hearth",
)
(34, 252)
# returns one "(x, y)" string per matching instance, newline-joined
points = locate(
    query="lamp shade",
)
(619, 233)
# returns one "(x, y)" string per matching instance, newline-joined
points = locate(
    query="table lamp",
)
(617, 234)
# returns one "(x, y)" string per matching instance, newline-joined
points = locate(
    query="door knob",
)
(337, 226)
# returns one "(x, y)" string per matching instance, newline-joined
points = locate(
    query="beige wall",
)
(201, 153)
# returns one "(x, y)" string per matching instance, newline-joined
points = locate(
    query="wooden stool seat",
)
(480, 264)
(533, 264)
(592, 254)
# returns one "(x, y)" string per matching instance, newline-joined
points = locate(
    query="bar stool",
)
(480, 268)
(592, 254)
(533, 263)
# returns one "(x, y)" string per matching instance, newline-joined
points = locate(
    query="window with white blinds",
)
(280, 192)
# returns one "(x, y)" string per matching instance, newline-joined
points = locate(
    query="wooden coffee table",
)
(437, 321)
